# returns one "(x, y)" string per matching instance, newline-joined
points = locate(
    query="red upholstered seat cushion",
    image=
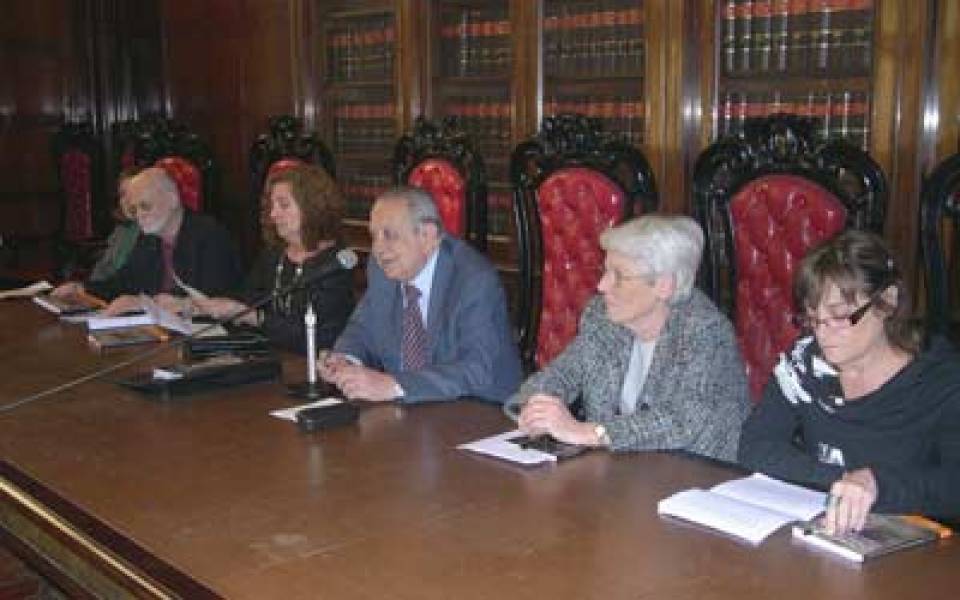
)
(776, 220)
(75, 174)
(576, 205)
(448, 189)
(284, 164)
(188, 179)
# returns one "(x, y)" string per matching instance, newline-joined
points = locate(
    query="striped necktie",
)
(414, 346)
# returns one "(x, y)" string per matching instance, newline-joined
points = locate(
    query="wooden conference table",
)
(113, 494)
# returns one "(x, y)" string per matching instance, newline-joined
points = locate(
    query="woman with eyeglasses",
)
(654, 363)
(857, 406)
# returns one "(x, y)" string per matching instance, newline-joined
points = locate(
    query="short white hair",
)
(670, 245)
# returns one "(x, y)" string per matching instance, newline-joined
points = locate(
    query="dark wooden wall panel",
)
(228, 68)
(44, 83)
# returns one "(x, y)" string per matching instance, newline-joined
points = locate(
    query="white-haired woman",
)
(654, 363)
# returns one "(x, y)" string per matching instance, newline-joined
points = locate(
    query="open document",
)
(750, 508)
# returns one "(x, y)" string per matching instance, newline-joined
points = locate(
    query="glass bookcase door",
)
(358, 99)
(473, 81)
(593, 59)
(812, 58)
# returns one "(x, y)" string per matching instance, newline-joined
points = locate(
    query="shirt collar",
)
(424, 279)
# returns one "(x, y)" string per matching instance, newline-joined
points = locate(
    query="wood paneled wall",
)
(228, 66)
(65, 61)
(45, 80)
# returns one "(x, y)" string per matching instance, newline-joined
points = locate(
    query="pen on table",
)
(940, 529)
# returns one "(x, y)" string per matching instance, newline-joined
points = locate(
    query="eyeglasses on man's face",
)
(811, 322)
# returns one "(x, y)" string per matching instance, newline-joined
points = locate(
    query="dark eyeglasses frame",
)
(810, 323)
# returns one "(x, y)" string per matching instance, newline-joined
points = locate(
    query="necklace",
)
(284, 305)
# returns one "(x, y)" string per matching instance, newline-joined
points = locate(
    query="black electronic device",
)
(326, 417)
(211, 373)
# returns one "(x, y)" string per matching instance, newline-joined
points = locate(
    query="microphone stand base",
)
(308, 390)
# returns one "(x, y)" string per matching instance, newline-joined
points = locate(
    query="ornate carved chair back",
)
(571, 182)
(940, 243)
(441, 160)
(764, 199)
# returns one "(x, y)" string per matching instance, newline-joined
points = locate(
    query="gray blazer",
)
(695, 396)
(469, 339)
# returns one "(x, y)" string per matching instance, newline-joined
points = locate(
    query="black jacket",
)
(331, 296)
(204, 257)
(907, 432)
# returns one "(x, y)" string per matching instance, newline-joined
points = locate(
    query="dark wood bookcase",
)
(668, 76)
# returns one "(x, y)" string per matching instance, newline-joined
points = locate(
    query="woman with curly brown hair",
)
(301, 228)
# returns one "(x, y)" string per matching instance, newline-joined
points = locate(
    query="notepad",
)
(750, 508)
(503, 446)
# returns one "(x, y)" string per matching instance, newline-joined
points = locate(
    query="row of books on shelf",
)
(364, 127)
(360, 190)
(619, 114)
(361, 50)
(606, 39)
(475, 42)
(499, 212)
(486, 120)
(843, 114)
(826, 37)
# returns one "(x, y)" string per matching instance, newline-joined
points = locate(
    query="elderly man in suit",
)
(433, 322)
(175, 243)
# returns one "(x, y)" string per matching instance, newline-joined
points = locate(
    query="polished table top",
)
(251, 508)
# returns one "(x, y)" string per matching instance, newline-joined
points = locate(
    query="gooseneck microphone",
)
(344, 260)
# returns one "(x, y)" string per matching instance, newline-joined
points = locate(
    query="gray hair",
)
(665, 245)
(420, 205)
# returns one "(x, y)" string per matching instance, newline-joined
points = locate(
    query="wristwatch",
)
(601, 432)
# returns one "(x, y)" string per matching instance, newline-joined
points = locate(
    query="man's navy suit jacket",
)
(471, 348)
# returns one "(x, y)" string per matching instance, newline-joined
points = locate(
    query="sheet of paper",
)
(165, 318)
(799, 502)
(100, 321)
(500, 446)
(192, 292)
(26, 292)
(290, 414)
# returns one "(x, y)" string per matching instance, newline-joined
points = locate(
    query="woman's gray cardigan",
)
(695, 396)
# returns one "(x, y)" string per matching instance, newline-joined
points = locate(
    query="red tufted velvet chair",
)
(939, 226)
(571, 182)
(171, 146)
(441, 160)
(83, 214)
(764, 200)
(188, 179)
